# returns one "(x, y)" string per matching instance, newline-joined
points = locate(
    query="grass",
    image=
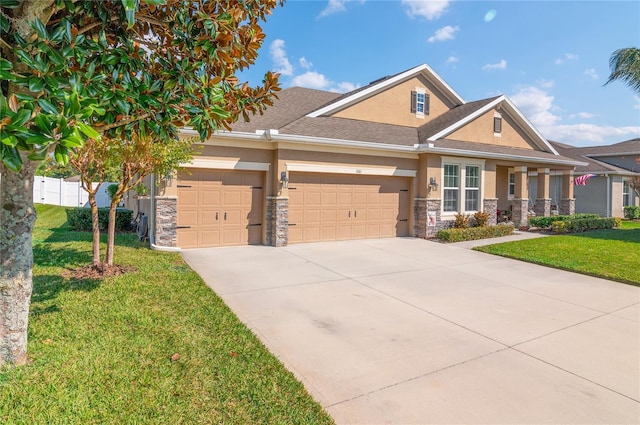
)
(101, 350)
(610, 254)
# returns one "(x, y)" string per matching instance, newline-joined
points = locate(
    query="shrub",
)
(462, 221)
(80, 219)
(480, 219)
(632, 213)
(584, 224)
(475, 233)
(546, 222)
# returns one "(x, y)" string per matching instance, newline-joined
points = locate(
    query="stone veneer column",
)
(520, 212)
(420, 218)
(166, 233)
(542, 207)
(434, 206)
(277, 221)
(490, 206)
(567, 206)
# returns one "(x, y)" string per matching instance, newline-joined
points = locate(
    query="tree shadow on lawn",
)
(48, 287)
(622, 235)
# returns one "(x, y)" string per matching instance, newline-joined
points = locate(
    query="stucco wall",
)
(481, 130)
(393, 106)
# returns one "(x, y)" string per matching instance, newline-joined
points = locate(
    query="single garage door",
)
(217, 208)
(326, 207)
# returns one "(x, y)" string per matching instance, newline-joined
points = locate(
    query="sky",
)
(551, 58)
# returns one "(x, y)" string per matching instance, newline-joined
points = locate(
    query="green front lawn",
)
(611, 254)
(101, 350)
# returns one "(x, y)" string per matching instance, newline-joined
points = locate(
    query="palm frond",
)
(625, 66)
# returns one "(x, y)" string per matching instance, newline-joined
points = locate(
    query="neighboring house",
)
(608, 192)
(398, 157)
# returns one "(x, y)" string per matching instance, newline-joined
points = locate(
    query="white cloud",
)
(582, 115)
(315, 80)
(429, 9)
(344, 87)
(566, 57)
(279, 58)
(491, 66)
(537, 105)
(452, 60)
(305, 63)
(444, 33)
(546, 84)
(591, 73)
(335, 6)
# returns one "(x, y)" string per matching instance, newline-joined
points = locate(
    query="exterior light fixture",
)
(433, 184)
(284, 179)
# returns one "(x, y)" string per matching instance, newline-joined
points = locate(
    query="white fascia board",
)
(449, 92)
(453, 127)
(531, 127)
(495, 155)
(221, 164)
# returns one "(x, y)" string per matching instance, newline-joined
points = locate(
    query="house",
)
(608, 191)
(398, 157)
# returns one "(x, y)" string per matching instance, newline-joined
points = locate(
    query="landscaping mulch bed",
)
(97, 271)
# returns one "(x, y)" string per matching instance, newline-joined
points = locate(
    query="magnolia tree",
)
(109, 70)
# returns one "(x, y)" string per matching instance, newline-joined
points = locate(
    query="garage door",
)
(325, 207)
(217, 208)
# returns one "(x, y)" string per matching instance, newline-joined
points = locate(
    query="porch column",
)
(542, 207)
(420, 200)
(568, 201)
(277, 205)
(490, 201)
(520, 204)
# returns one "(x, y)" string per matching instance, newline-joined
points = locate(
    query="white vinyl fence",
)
(47, 190)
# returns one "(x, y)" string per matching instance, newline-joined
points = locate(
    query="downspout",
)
(152, 221)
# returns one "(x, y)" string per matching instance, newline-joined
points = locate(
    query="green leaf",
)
(39, 154)
(36, 84)
(10, 4)
(130, 8)
(74, 103)
(43, 122)
(24, 57)
(72, 141)
(11, 158)
(61, 155)
(21, 117)
(38, 139)
(47, 106)
(5, 65)
(40, 29)
(156, 2)
(88, 131)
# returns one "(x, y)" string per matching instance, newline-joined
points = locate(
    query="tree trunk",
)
(17, 219)
(95, 227)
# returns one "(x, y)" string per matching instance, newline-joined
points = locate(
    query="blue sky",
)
(550, 57)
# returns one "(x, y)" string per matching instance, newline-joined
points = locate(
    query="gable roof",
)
(384, 83)
(628, 147)
(483, 106)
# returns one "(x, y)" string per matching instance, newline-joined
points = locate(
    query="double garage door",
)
(326, 207)
(222, 208)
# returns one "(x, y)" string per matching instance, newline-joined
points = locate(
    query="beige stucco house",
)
(398, 157)
(608, 192)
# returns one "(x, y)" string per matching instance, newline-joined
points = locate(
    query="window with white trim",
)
(461, 186)
(626, 193)
(451, 187)
(512, 185)
(420, 102)
(472, 188)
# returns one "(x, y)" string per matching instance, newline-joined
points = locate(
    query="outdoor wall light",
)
(284, 179)
(433, 184)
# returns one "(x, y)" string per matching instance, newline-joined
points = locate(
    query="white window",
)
(472, 188)
(420, 102)
(512, 185)
(461, 186)
(626, 193)
(451, 187)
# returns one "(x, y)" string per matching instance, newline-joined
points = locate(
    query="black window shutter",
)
(426, 104)
(413, 101)
(497, 124)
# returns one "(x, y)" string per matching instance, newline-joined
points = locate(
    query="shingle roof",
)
(292, 103)
(628, 146)
(593, 165)
(503, 150)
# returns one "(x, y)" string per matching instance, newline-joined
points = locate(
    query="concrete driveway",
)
(411, 331)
